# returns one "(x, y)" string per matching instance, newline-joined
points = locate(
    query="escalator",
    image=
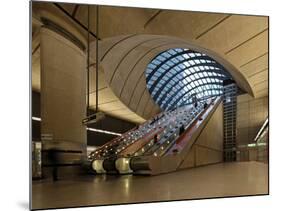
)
(103, 159)
(158, 146)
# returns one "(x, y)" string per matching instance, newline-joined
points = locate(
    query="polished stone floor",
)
(226, 179)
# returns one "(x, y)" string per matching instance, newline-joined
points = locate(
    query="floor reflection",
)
(228, 179)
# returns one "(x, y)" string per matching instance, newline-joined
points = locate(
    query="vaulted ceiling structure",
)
(130, 38)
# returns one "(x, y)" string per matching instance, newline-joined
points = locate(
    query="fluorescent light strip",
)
(261, 130)
(103, 131)
(88, 128)
(36, 118)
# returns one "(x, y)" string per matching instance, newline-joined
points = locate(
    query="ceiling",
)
(242, 40)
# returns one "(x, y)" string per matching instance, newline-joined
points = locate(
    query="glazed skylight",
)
(174, 76)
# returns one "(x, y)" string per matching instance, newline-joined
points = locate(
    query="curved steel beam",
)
(170, 89)
(138, 61)
(167, 59)
(200, 64)
(203, 97)
(185, 93)
(177, 73)
(178, 97)
(150, 75)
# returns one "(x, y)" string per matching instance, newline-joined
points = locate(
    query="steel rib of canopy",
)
(175, 75)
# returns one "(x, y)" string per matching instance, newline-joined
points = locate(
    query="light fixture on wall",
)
(103, 131)
(36, 119)
(88, 128)
(261, 130)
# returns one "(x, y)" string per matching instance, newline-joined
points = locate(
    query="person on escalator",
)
(155, 138)
(194, 100)
(205, 105)
(181, 129)
(156, 119)
(153, 120)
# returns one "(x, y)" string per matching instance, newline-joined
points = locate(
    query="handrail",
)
(264, 126)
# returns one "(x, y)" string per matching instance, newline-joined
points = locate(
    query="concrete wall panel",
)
(62, 88)
(208, 148)
(251, 114)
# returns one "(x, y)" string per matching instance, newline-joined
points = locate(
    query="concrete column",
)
(63, 96)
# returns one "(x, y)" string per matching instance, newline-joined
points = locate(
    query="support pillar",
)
(63, 100)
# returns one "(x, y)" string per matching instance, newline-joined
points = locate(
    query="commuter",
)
(194, 101)
(155, 138)
(157, 118)
(53, 159)
(153, 120)
(181, 130)
(205, 105)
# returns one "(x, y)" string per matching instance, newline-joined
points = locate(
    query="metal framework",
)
(176, 74)
(171, 90)
(229, 120)
(186, 76)
(212, 91)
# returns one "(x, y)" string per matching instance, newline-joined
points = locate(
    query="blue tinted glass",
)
(183, 73)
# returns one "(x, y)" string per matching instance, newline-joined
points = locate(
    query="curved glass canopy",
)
(176, 76)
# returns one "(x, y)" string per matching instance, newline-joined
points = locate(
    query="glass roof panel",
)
(174, 75)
